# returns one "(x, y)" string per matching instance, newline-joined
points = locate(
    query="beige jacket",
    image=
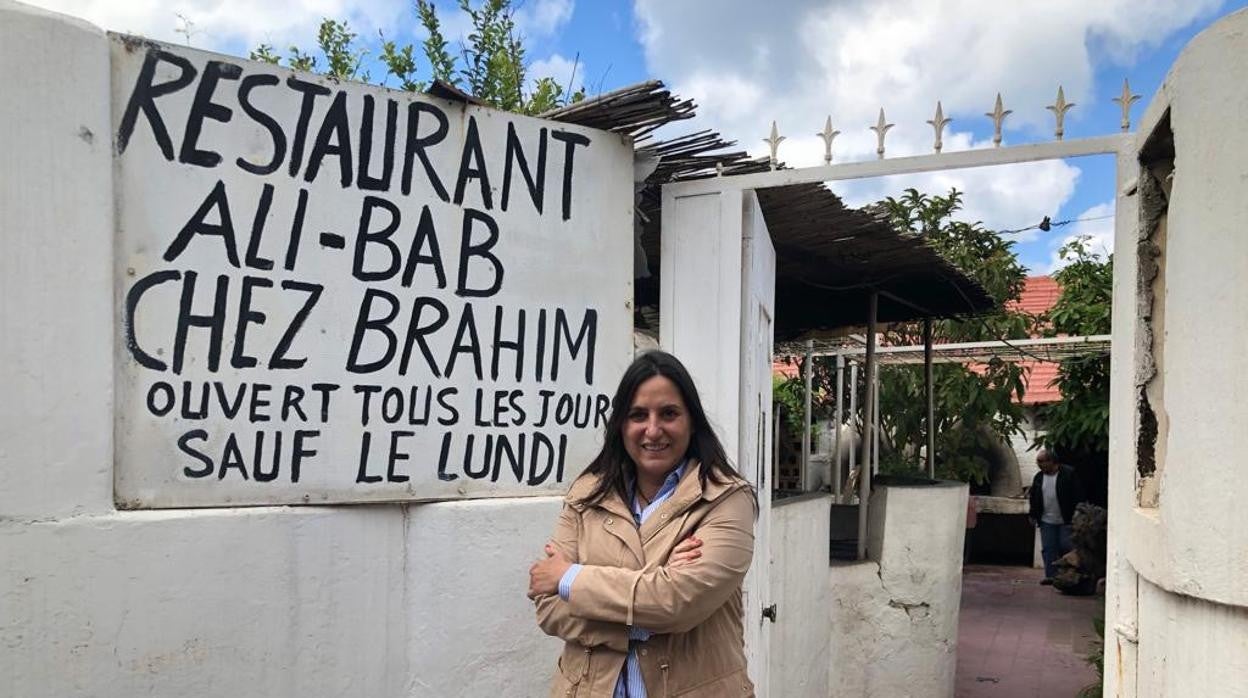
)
(694, 611)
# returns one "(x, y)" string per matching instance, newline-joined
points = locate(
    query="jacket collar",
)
(688, 491)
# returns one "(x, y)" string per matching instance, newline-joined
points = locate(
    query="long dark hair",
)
(613, 465)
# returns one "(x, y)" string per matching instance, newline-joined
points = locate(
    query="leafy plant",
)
(265, 52)
(491, 64)
(400, 63)
(1096, 657)
(974, 406)
(789, 394)
(441, 65)
(1080, 422)
(336, 42)
(343, 59)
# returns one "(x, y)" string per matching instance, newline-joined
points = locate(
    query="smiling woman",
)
(642, 579)
(656, 434)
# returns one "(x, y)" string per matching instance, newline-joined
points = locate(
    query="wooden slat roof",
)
(829, 258)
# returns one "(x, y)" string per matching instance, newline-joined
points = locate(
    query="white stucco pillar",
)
(1176, 602)
(56, 285)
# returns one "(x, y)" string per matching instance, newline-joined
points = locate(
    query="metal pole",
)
(864, 480)
(929, 388)
(875, 423)
(836, 434)
(809, 379)
(853, 412)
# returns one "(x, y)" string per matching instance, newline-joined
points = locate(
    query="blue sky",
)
(747, 63)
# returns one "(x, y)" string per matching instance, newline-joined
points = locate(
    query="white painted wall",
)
(916, 535)
(370, 600)
(1190, 647)
(56, 228)
(860, 615)
(1021, 445)
(423, 600)
(885, 627)
(801, 590)
(1177, 604)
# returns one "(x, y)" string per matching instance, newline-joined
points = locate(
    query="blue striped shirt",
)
(630, 683)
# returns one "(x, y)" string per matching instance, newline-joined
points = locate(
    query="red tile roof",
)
(1039, 294)
(1038, 390)
(784, 368)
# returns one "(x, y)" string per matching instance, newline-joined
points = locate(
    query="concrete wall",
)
(1190, 647)
(1021, 445)
(858, 600)
(56, 228)
(895, 616)
(887, 626)
(1176, 599)
(916, 535)
(424, 600)
(374, 600)
(802, 635)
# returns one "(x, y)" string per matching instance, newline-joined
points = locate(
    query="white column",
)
(56, 270)
(864, 478)
(853, 412)
(836, 433)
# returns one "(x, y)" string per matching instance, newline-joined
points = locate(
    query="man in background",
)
(1054, 493)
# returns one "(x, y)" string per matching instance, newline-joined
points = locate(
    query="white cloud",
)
(218, 24)
(568, 73)
(236, 26)
(1097, 224)
(728, 97)
(747, 63)
(851, 58)
(1006, 197)
(541, 18)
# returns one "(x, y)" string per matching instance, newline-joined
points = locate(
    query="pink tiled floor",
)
(1018, 639)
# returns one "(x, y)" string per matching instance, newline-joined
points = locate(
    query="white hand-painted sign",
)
(339, 293)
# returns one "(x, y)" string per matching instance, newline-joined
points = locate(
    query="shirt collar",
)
(669, 485)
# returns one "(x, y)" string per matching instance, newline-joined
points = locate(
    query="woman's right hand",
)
(686, 552)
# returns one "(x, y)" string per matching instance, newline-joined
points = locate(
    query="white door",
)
(758, 283)
(715, 313)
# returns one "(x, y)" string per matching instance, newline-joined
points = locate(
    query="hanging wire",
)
(1047, 224)
(979, 318)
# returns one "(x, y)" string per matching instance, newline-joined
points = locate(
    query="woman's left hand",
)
(544, 575)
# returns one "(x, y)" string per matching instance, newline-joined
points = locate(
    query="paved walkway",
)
(1018, 639)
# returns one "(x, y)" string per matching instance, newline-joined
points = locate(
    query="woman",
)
(642, 579)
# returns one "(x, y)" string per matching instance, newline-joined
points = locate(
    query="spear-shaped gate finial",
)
(998, 114)
(881, 127)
